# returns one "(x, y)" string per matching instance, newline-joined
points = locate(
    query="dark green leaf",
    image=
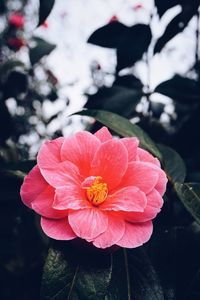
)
(15, 84)
(109, 35)
(72, 275)
(133, 45)
(173, 164)
(44, 10)
(6, 123)
(180, 89)
(178, 24)
(123, 127)
(128, 81)
(41, 49)
(163, 6)
(8, 66)
(189, 194)
(134, 277)
(116, 99)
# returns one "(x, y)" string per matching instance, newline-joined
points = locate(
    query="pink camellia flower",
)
(103, 190)
(17, 20)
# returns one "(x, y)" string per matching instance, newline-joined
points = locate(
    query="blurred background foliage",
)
(168, 266)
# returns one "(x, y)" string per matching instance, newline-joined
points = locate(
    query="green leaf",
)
(44, 10)
(41, 49)
(173, 164)
(189, 194)
(108, 35)
(180, 89)
(134, 277)
(69, 274)
(178, 23)
(123, 127)
(117, 99)
(133, 44)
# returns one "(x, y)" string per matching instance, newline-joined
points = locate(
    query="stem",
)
(197, 38)
(127, 274)
(148, 84)
(73, 282)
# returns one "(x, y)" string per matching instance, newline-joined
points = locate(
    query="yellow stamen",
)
(97, 192)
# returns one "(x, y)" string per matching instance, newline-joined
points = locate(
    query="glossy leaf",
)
(41, 49)
(173, 164)
(189, 194)
(181, 89)
(116, 99)
(44, 10)
(72, 275)
(109, 35)
(178, 24)
(123, 127)
(133, 45)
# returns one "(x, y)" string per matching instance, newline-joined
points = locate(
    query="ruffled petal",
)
(42, 204)
(143, 155)
(80, 150)
(57, 229)
(131, 145)
(162, 182)
(126, 199)
(114, 232)
(64, 174)
(154, 204)
(110, 162)
(70, 197)
(33, 185)
(103, 134)
(142, 175)
(136, 234)
(88, 223)
(49, 154)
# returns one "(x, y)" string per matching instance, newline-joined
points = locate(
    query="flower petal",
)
(131, 145)
(88, 223)
(154, 204)
(70, 197)
(103, 134)
(126, 199)
(33, 185)
(49, 154)
(64, 174)
(142, 175)
(42, 204)
(162, 182)
(114, 232)
(57, 229)
(110, 162)
(80, 150)
(136, 234)
(143, 155)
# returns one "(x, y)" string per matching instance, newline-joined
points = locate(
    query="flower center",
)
(97, 190)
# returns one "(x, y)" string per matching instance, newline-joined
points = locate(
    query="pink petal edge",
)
(33, 185)
(103, 134)
(88, 223)
(136, 234)
(114, 232)
(57, 229)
